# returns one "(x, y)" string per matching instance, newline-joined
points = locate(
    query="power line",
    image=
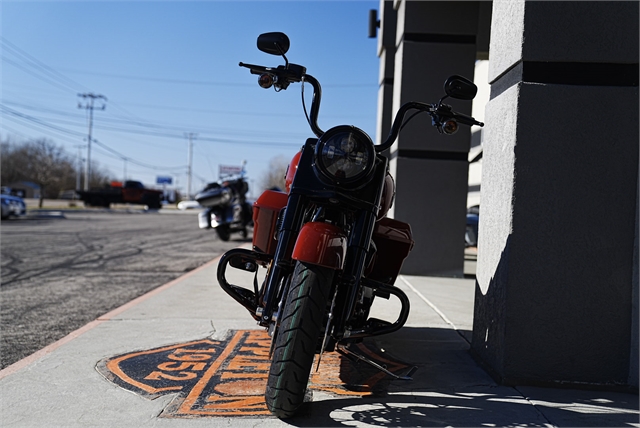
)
(40, 122)
(57, 79)
(43, 124)
(161, 79)
(62, 82)
(165, 135)
(36, 127)
(204, 82)
(10, 129)
(128, 159)
(39, 66)
(31, 65)
(26, 70)
(219, 140)
(151, 125)
(234, 113)
(70, 132)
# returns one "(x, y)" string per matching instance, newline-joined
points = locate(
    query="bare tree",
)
(99, 176)
(12, 163)
(44, 163)
(274, 177)
(47, 164)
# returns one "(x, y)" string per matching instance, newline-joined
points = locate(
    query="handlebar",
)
(397, 123)
(445, 111)
(255, 69)
(438, 112)
(285, 74)
(467, 120)
(281, 76)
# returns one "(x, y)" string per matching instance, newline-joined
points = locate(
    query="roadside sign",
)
(163, 179)
(225, 170)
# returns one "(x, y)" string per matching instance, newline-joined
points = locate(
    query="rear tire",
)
(297, 338)
(223, 232)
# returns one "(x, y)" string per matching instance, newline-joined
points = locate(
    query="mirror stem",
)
(286, 61)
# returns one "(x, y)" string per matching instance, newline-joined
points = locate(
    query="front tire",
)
(297, 338)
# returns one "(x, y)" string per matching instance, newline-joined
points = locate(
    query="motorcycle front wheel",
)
(297, 338)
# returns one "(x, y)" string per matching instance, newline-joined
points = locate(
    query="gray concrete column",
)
(558, 224)
(387, 55)
(433, 41)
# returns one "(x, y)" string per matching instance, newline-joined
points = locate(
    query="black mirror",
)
(460, 88)
(273, 43)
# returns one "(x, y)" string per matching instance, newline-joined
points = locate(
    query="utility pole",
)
(78, 171)
(190, 136)
(89, 105)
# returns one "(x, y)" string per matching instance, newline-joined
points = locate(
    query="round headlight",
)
(345, 154)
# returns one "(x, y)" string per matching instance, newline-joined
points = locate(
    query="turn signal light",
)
(266, 81)
(450, 127)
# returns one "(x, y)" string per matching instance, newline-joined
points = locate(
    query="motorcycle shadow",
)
(443, 364)
(451, 389)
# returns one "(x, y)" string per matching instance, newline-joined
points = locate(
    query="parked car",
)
(68, 194)
(186, 205)
(12, 206)
(471, 234)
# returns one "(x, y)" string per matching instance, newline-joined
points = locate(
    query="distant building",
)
(24, 189)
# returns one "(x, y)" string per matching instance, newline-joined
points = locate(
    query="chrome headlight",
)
(345, 155)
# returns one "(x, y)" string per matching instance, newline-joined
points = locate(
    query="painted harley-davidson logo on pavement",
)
(228, 377)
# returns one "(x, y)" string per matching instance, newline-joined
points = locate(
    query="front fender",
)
(321, 244)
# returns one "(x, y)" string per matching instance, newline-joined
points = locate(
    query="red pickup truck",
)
(131, 192)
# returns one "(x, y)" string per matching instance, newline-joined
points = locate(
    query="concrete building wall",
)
(387, 54)
(478, 111)
(557, 277)
(634, 358)
(556, 262)
(434, 40)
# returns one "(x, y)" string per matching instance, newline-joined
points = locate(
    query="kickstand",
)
(346, 351)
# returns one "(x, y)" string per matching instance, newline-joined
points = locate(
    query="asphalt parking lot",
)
(61, 271)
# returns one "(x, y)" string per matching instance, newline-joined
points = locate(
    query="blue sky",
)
(169, 68)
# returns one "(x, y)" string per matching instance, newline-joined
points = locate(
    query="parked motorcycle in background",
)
(227, 210)
(326, 244)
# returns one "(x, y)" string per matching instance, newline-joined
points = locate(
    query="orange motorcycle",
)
(326, 244)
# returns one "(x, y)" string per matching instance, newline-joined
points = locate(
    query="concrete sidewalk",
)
(60, 386)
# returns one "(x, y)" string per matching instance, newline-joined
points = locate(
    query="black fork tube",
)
(358, 248)
(293, 217)
(359, 242)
